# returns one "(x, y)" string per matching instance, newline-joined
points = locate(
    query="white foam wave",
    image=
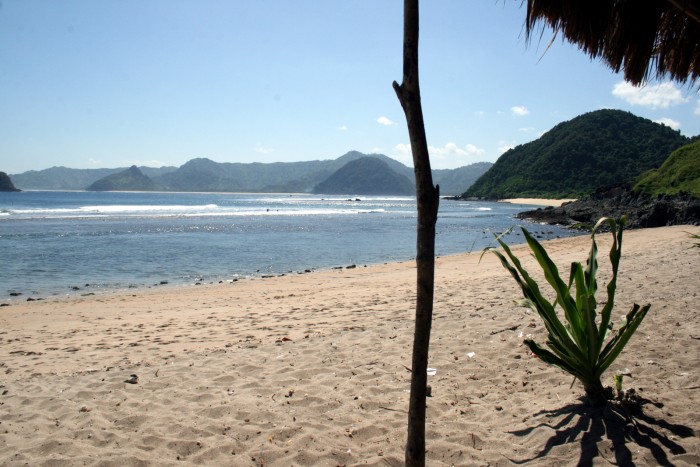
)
(116, 209)
(333, 199)
(159, 211)
(286, 212)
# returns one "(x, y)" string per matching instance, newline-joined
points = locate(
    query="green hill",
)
(596, 149)
(6, 183)
(64, 178)
(131, 179)
(679, 173)
(453, 182)
(202, 174)
(366, 176)
(60, 178)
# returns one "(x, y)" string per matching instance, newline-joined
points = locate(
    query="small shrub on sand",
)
(578, 346)
(694, 237)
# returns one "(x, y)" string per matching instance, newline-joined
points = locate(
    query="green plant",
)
(694, 237)
(617, 379)
(578, 347)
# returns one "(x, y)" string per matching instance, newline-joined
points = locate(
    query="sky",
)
(95, 84)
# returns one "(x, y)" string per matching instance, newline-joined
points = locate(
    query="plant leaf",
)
(564, 298)
(614, 347)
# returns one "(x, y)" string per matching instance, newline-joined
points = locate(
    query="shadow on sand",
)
(618, 424)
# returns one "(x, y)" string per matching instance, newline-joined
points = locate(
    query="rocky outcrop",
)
(6, 183)
(641, 210)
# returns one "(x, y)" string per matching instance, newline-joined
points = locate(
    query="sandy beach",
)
(312, 369)
(555, 203)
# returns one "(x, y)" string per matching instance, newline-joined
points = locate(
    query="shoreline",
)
(232, 243)
(311, 368)
(555, 203)
(166, 285)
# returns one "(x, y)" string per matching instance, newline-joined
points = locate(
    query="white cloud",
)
(402, 153)
(519, 111)
(474, 151)
(662, 95)
(342, 128)
(385, 121)
(93, 161)
(504, 146)
(452, 150)
(697, 108)
(449, 155)
(527, 129)
(263, 150)
(141, 163)
(669, 123)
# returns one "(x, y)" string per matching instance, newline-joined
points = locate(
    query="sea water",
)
(86, 242)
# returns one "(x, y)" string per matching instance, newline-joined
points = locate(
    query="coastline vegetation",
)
(679, 173)
(593, 150)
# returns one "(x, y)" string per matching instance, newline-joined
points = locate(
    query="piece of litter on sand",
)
(432, 371)
(471, 354)
(134, 379)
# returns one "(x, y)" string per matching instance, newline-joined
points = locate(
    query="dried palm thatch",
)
(644, 38)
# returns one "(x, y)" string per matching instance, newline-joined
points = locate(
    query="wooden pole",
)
(428, 198)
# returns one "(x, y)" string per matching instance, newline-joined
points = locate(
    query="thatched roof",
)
(643, 38)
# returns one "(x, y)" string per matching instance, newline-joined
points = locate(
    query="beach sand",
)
(555, 203)
(312, 369)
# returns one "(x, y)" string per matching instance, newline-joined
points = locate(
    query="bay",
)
(86, 242)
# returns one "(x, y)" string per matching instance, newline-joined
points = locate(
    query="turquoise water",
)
(84, 242)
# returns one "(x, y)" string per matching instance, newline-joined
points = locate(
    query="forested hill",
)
(6, 183)
(131, 179)
(680, 173)
(64, 178)
(593, 150)
(367, 176)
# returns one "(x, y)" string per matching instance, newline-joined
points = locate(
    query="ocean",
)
(57, 243)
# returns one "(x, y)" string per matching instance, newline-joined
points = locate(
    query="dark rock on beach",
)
(641, 210)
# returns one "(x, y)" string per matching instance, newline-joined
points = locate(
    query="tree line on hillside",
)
(576, 157)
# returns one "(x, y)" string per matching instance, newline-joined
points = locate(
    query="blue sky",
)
(89, 84)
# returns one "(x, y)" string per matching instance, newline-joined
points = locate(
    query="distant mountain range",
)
(64, 178)
(576, 157)
(282, 177)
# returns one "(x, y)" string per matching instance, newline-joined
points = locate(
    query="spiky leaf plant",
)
(695, 237)
(579, 345)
